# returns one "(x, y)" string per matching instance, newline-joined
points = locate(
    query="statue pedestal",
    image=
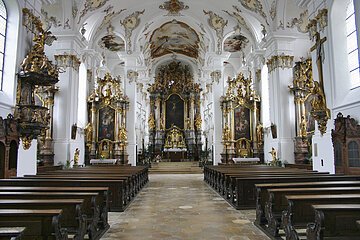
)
(301, 150)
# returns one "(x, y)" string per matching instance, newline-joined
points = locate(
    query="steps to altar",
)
(175, 168)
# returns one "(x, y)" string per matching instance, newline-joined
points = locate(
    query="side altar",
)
(175, 117)
(106, 135)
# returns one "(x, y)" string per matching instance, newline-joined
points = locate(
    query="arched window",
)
(352, 45)
(3, 23)
(354, 156)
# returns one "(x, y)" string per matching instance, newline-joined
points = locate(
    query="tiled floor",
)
(181, 206)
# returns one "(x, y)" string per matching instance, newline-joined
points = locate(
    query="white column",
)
(130, 91)
(66, 102)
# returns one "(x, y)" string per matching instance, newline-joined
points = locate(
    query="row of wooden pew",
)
(68, 204)
(292, 203)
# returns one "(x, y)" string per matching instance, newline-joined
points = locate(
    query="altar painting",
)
(242, 122)
(310, 121)
(106, 123)
(174, 112)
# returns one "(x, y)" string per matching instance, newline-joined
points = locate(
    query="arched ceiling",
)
(159, 29)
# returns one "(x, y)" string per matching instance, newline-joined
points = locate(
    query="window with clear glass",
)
(354, 156)
(3, 20)
(352, 45)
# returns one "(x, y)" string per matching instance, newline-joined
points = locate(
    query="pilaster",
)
(280, 61)
(66, 100)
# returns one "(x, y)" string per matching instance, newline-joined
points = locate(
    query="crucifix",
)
(319, 57)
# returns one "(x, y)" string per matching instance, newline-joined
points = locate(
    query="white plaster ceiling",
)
(250, 18)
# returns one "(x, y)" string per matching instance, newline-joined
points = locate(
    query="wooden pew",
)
(11, 233)
(334, 221)
(244, 193)
(277, 202)
(39, 224)
(91, 205)
(127, 185)
(116, 200)
(262, 192)
(300, 212)
(102, 192)
(72, 214)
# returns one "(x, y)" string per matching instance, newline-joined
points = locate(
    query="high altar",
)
(106, 135)
(175, 119)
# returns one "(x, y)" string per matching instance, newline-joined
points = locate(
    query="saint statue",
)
(273, 155)
(88, 133)
(303, 127)
(122, 135)
(76, 156)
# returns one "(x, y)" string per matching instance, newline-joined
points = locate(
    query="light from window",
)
(352, 45)
(3, 20)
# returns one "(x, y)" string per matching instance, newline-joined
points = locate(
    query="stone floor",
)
(181, 206)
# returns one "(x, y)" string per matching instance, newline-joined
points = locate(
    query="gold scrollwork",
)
(280, 61)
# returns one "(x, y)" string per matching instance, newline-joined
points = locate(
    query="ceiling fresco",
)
(235, 43)
(174, 37)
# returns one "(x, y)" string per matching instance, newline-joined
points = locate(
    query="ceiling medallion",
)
(174, 7)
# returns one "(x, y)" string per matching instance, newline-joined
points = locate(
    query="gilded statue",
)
(88, 133)
(318, 103)
(198, 122)
(303, 127)
(175, 139)
(226, 134)
(273, 155)
(76, 156)
(151, 122)
(122, 135)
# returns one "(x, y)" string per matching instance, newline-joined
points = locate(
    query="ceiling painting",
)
(174, 37)
(173, 7)
(235, 43)
(112, 42)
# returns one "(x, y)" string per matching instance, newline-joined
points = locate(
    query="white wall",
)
(27, 159)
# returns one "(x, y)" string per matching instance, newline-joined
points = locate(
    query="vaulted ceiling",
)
(157, 29)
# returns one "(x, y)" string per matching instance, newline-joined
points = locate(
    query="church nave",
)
(181, 206)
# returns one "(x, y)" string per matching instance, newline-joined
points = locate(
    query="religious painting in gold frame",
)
(310, 120)
(242, 122)
(106, 123)
(174, 111)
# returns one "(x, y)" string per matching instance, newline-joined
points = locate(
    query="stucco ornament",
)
(254, 6)
(240, 19)
(110, 13)
(130, 23)
(174, 7)
(217, 23)
(91, 5)
(301, 23)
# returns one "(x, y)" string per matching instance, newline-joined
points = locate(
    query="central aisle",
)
(181, 207)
